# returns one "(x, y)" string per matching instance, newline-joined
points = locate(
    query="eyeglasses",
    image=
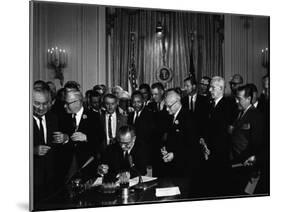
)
(125, 144)
(69, 103)
(170, 106)
(38, 104)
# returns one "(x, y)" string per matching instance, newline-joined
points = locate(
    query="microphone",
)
(132, 166)
(79, 170)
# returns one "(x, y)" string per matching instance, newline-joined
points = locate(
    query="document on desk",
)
(135, 180)
(164, 192)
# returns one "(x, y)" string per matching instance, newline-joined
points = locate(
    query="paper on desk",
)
(135, 180)
(171, 191)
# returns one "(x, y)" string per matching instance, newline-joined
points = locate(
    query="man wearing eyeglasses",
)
(85, 134)
(126, 155)
(180, 152)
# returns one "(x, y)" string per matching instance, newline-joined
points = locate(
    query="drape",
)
(206, 50)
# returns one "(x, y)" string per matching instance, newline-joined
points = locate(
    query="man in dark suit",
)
(126, 155)
(234, 83)
(196, 104)
(143, 121)
(247, 136)
(111, 120)
(44, 124)
(218, 146)
(85, 134)
(161, 117)
(180, 152)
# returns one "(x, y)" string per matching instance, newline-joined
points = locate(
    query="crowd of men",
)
(218, 143)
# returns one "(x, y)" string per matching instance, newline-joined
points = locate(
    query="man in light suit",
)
(111, 120)
(247, 136)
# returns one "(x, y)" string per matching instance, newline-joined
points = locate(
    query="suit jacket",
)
(144, 125)
(217, 135)
(114, 158)
(247, 136)
(90, 125)
(121, 121)
(200, 114)
(182, 140)
(43, 166)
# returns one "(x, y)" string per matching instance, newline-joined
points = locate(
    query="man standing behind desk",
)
(218, 145)
(180, 151)
(246, 139)
(85, 134)
(111, 120)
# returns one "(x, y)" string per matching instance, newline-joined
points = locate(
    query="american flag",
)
(132, 80)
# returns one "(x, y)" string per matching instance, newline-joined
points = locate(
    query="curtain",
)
(186, 34)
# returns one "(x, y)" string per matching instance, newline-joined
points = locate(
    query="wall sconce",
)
(265, 58)
(57, 60)
(159, 30)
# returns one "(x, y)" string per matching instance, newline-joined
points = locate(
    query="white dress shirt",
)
(113, 125)
(79, 116)
(44, 126)
(217, 100)
(176, 114)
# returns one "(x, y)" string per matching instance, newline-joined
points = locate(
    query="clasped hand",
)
(103, 169)
(167, 156)
(78, 136)
(41, 150)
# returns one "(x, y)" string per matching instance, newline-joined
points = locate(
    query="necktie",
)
(41, 131)
(240, 115)
(109, 129)
(74, 124)
(136, 116)
(158, 106)
(191, 104)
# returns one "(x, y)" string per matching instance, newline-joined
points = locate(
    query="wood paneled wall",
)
(81, 31)
(245, 37)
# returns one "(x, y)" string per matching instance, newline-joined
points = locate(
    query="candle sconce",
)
(265, 58)
(57, 60)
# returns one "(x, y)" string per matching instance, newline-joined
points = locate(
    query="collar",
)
(112, 114)
(256, 104)
(37, 118)
(217, 100)
(247, 109)
(80, 112)
(176, 114)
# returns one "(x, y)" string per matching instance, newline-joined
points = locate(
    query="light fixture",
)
(57, 60)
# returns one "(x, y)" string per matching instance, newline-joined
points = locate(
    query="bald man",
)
(44, 124)
(217, 138)
(180, 152)
(85, 133)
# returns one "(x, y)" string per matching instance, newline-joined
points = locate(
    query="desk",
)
(93, 198)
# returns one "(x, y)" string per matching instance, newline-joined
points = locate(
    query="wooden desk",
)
(94, 198)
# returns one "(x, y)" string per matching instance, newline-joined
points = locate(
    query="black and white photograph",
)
(137, 105)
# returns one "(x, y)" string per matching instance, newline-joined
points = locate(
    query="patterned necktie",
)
(41, 131)
(109, 127)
